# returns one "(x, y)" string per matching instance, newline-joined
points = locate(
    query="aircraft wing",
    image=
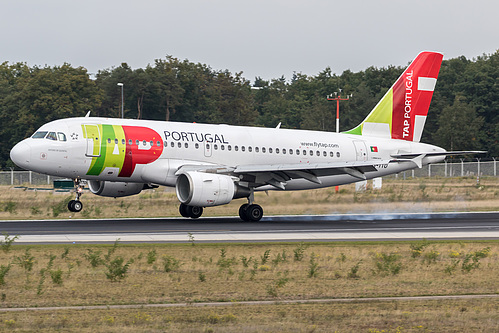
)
(277, 174)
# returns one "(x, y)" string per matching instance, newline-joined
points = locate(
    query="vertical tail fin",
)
(401, 113)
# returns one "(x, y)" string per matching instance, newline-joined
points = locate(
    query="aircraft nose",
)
(21, 154)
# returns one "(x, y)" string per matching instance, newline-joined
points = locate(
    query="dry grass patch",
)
(411, 195)
(161, 273)
(477, 315)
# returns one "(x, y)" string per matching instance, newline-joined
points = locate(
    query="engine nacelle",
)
(114, 189)
(207, 189)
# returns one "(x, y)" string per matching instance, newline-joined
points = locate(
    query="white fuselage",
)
(142, 151)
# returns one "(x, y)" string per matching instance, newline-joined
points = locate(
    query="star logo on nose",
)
(74, 136)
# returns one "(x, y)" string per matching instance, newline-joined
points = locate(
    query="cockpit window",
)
(39, 135)
(61, 136)
(51, 136)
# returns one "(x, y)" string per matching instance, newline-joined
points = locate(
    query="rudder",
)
(401, 113)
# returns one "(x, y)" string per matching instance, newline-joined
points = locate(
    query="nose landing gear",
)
(76, 205)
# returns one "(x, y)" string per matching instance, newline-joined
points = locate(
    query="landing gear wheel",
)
(183, 210)
(75, 206)
(190, 211)
(254, 213)
(242, 212)
(251, 213)
(195, 211)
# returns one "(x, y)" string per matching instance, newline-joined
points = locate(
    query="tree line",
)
(463, 114)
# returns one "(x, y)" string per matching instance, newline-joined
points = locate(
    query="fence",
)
(446, 169)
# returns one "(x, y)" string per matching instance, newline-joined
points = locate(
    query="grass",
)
(478, 315)
(329, 270)
(411, 195)
(56, 275)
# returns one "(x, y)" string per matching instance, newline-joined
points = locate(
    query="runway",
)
(341, 227)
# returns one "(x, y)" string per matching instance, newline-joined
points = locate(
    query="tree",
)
(459, 126)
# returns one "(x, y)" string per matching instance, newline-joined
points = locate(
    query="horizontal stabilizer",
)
(438, 153)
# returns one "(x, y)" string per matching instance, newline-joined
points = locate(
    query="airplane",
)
(211, 165)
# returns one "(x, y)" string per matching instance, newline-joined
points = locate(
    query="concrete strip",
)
(235, 303)
(255, 236)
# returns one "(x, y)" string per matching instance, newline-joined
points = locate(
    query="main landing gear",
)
(251, 212)
(76, 205)
(247, 212)
(190, 211)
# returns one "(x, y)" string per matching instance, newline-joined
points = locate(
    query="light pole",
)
(337, 98)
(122, 106)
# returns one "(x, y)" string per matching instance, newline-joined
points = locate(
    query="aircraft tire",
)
(70, 205)
(254, 213)
(242, 212)
(75, 206)
(183, 210)
(194, 211)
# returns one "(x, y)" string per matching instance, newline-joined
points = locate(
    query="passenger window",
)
(331, 154)
(129, 142)
(338, 154)
(304, 152)
(39, 135)
(318, 153)
(222, 147)
(136, 142)
(61, 136)
(257, 149)
(243, 148)
(298, 152)
(236, 148)
(196, 146)
(270, 150)
(229, 147)
(158, 143)
(144, 142)
(215, 147)
(115, 141)
(324, 154)
(186, 145)
(263, 149)
(284, 151)
(165, 144)
(277, 150)
(250, 149)
(207, 146)
(173, 144)
(108, 140)
(291, 152)
(179, 145)
(151, 143)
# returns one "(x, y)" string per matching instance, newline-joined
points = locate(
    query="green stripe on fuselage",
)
(111, 154)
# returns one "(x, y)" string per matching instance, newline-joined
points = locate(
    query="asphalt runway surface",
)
(342, 227)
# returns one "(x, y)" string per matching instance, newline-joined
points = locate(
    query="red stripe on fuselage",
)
(146, 154)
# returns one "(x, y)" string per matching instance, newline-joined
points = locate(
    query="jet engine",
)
(207, 189)
(114, 189)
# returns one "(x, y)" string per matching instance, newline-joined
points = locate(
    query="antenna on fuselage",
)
(88, 114)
